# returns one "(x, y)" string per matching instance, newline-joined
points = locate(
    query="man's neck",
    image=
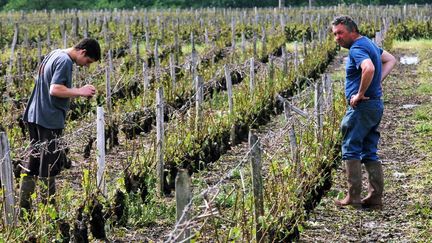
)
(72, 53)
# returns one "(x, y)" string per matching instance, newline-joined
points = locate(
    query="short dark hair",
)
(91, 46)
(347, 21)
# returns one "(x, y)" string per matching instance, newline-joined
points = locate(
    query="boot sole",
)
(354, 205)
(372, 207)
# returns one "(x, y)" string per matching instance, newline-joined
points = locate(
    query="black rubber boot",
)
(28, 184)
(376, 185)
(48, 190)
(354, 175)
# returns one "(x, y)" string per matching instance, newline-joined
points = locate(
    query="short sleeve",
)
(358, 54)
(62, 72)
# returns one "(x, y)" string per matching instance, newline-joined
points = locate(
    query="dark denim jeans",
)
(360, 133)
(44, 161)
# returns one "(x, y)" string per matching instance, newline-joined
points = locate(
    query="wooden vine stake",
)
(296, 66)
(172, 70)
(229, 89)
(193, 57)
(284, 62)
(137, 57)
(157, 63)
(109, 106)
(146, 80)
(292, 137)
(160, 140)
(318, 110)
(304, 46)
(254, 44)
(199, 97)
(11, 59)
(328, 90)
(281, 3)
(257, 183)
(243, 45)
(230, 103)
(264, 42)
(39, 50)
(206, 37)
(48, 39)
(379, 38)
(183, 194)
(271, 67)
(100, 123)
(7, 181)
(233, 35)
(252, 76)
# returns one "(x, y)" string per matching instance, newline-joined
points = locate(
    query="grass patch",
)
(421, 209)
(415, 44)
(421, 113)
(424, 72)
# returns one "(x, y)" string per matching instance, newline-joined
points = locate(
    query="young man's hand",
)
(87, 90)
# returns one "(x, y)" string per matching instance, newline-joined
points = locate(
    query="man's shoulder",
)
(361, 45)
(60, 56)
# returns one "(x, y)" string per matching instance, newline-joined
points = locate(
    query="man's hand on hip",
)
(356, 99)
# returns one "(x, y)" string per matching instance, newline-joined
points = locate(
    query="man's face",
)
(83, 60)
(342, 36)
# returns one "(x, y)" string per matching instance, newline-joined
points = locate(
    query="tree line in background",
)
(128, 4)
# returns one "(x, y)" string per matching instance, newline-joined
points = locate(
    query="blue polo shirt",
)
(362, 49)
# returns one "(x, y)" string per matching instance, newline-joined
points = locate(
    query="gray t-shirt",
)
(44, 109)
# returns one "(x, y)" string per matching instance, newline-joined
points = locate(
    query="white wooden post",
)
(318, 109)
(172, 70)
(233, 33)
(110, 64)
(328, 89)
(206, 37)
(243, 44)
(252, 76)
(100, 179)
(137, 57)
(284, 62)
(281, 3)
(292, 137)
(11, 59)
(7, 180)
(160, 140)
(48, 40)
(230, 103)
(296, 58)
(198, 103)
(193, 58)
(109, 106)
(257, 183)
(39, 50)
(271, 67)
(157, 63)
(229, 89)
(254, 44)
(146, 82)
(183, 194)
(264, 42)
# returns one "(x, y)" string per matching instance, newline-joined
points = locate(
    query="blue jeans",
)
(360, 133)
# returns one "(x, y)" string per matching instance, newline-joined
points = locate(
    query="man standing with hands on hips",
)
(367, 66)
(45, 115)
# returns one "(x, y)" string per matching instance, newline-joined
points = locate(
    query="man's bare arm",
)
(62, 91)
(388, 63)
